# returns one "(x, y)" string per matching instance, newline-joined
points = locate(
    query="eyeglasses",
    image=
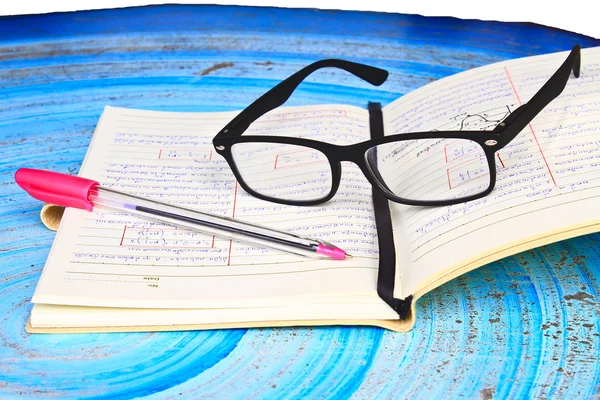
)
(425, 169)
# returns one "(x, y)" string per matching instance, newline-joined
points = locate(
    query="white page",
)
(548, 176)
(116, 260)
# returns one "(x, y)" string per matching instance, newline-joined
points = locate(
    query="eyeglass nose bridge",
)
(354, 154)
(358, 154)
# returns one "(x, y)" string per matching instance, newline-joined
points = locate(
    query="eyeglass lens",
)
(430, 169)
(284, 171)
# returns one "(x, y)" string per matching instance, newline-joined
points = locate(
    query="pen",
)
(72, 191)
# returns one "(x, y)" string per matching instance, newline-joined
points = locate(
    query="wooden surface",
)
(527, 326)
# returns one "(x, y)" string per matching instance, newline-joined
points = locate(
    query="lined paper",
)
(116, 260)
(548, 177)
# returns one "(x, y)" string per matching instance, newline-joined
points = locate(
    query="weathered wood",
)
(527, 326)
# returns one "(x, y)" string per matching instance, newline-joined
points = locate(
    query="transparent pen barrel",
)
(220, 226)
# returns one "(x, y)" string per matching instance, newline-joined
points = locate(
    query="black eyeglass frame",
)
(490, 141)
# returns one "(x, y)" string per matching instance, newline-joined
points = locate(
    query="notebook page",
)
(548, 177)
(117, 260)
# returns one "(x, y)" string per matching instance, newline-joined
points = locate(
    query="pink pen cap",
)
(56, 188)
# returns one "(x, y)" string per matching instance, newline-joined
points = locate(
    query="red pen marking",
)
(234, 199)
(123, 237)
(232, 216)
(229, 254)
(531, 128)
(159, 154)
(513, 85)
(501, 162)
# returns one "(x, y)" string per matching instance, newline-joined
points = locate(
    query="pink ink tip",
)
(333, 252)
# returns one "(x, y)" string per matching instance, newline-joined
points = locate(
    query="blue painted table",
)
(525, 326)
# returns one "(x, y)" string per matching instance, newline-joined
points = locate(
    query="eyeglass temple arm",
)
(512, 125)
(282, 91)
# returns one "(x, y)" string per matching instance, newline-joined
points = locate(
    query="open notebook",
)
(113, 272)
